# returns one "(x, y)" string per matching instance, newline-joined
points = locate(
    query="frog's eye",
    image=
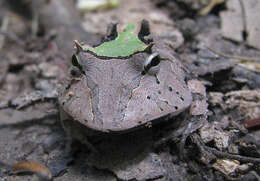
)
(74, 60)
(75, 63)
(151, 64)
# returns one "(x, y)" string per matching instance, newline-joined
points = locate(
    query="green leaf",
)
(126, 44)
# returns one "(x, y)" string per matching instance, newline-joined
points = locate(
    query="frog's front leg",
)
(195, 118)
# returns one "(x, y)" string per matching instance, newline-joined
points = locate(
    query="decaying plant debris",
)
(216, 139)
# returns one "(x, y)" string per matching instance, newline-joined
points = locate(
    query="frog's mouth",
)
(121, 45)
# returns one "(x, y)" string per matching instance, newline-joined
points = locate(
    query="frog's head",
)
(125, 82)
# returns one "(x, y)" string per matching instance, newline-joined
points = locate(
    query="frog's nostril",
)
(75, 72)
(148, 97)
(170, 88)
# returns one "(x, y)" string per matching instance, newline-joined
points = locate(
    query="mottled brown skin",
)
(114, 96)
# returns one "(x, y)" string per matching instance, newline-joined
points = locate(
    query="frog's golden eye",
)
(151, 64)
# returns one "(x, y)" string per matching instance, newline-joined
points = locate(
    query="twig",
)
(11, 36)
(243, 17)
(33, 167)
(240, 158)
(4, 27)
(221, 154)
(206, 156)
(210, 6)
(252, 123)
(29, 99)
(35, 24)
(241, 58)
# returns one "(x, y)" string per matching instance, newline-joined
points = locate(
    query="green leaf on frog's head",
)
(126, 44)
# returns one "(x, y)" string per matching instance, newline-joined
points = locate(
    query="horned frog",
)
(128, 81)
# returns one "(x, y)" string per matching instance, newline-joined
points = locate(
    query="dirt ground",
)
(223, 141)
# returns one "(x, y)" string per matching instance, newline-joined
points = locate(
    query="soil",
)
(217, 139)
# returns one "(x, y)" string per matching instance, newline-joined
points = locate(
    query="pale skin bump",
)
(70, 94)
(149, 124)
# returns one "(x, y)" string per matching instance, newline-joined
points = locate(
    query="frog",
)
(131, 80)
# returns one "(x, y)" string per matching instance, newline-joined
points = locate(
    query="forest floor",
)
(224, 147)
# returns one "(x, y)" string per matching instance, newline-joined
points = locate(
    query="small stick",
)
(30, 167)
(11, 36)
(210, 6)
(4, 27)
(38, 169)
(220, 154)
(252, 123)
(240, 158)
(35, 24)
(241, 58)
(28, 99)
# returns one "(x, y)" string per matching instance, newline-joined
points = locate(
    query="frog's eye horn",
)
(78, 46)
(144, 33)
(151, 64)
(111, 32)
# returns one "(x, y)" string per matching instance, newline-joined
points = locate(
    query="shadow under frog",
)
(129, 81)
